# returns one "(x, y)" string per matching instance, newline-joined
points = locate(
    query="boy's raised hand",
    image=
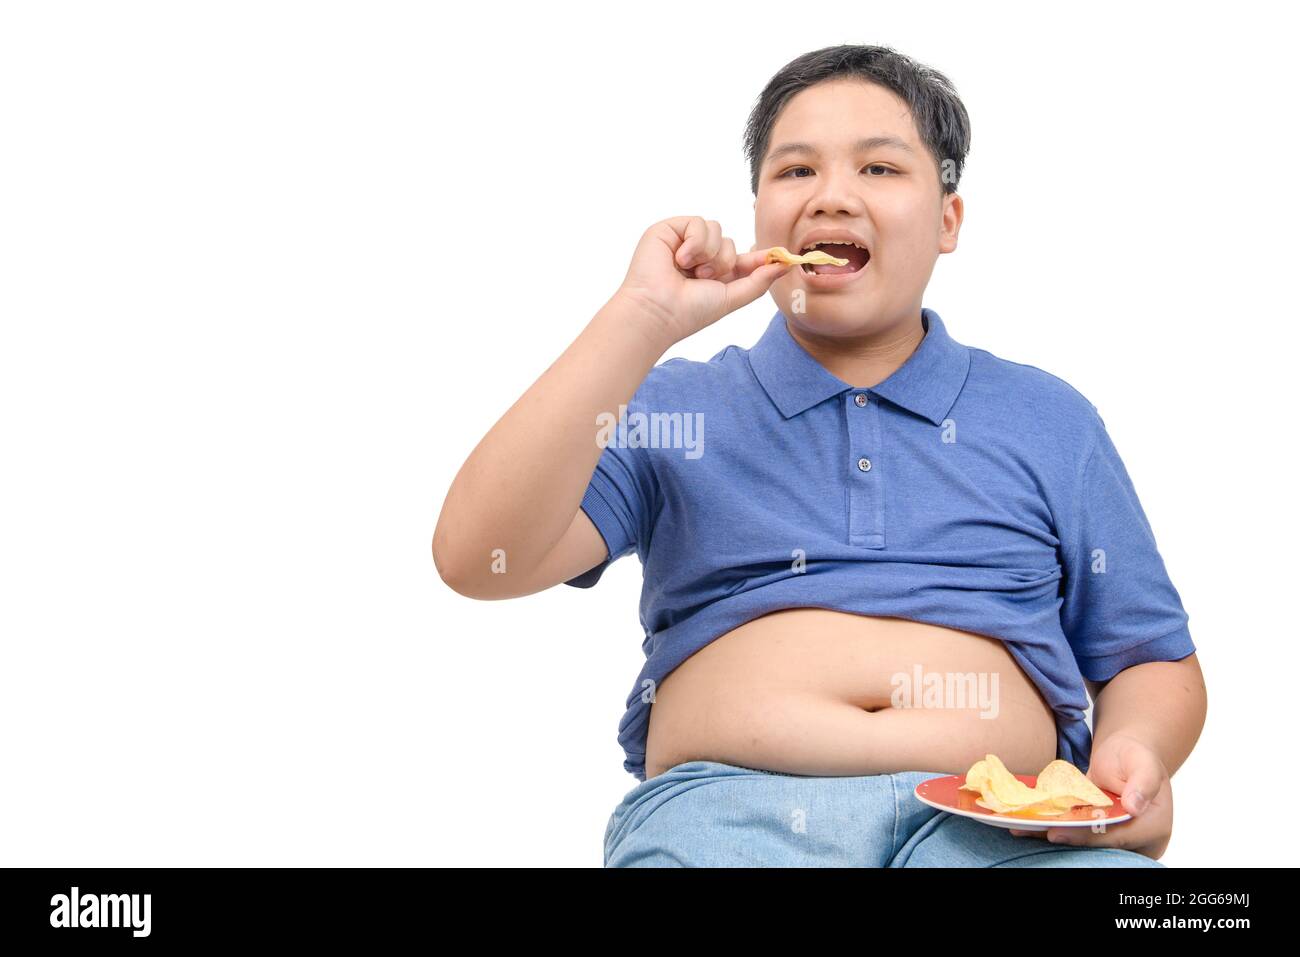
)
(687, 275)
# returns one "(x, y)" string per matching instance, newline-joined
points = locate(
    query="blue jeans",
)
(708, 814)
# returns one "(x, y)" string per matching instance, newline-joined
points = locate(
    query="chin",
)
(842, 317)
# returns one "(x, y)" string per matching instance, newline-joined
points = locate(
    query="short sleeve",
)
(618, 501)
(620, 497)
(1119, 607)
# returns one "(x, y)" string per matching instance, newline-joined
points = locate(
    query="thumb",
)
(1142, 775)
(743, 291)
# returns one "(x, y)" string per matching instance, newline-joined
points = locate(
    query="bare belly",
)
(812, 691)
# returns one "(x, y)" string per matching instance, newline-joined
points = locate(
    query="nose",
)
(836, 194)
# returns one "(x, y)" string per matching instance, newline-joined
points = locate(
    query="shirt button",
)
(864, 465)
(860, 399)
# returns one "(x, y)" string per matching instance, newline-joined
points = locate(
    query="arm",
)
(1160, 703)
(520, 489)
(1121, 614)
(519, 493)
(1127, 627)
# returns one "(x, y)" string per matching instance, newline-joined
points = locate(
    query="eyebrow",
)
(861, 146)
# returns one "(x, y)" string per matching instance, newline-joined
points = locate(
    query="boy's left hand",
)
(1129, 768)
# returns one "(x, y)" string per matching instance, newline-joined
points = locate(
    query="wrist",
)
(1135, 735)
(649, 321)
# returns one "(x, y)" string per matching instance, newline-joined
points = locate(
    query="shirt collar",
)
(927, 383)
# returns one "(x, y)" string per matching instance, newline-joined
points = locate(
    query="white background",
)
(243, 357)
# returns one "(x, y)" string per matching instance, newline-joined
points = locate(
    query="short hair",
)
(939, 115)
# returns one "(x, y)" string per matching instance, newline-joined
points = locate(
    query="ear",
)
(953, 213)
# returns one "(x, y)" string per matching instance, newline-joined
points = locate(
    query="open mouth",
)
(857, 257)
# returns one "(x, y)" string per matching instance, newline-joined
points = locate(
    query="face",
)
(887, 196)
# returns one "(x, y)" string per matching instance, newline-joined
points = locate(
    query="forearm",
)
(1161, 703)
(522, 485)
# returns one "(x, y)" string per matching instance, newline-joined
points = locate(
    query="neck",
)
(863, 361)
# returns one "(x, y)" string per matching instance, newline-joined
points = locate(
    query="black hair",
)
(939, 115)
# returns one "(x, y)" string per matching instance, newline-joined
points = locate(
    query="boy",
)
(872, 506)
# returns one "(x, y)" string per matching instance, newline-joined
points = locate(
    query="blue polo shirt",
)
(965, 490)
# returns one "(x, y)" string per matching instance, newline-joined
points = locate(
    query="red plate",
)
(943, 793)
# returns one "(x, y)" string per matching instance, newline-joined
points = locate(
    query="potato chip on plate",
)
(1059, 796)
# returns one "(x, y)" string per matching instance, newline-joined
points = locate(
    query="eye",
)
(789, 174)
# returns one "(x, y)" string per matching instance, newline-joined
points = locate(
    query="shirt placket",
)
(866, 493)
